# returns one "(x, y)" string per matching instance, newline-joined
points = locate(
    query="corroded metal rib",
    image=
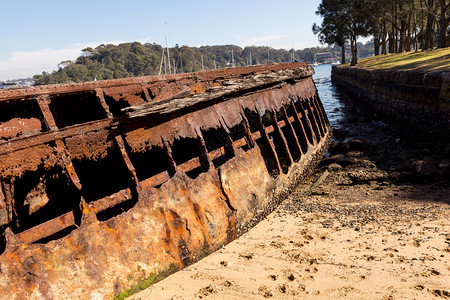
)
(111, 182)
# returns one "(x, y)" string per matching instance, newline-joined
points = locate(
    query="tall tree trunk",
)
(444, 21)
(402, 30)
(352, 62)
(354, 49)
(383, 41)
(428, 34)
(376, 44)
(342, 53)
(416, 40)
(395, 27)
(408, 39)
(391, 41)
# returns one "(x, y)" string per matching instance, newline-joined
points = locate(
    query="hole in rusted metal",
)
(42, 196)
(2, 241)
(186, 153)
(312, 117)
(102, 177)
(116, 105)
(318, 116)
(20, 117)
(264, 147)
(275, 136)
(237, 134)
(297, 128)
(117, 209)
(149, 163)
(217, 146)
(74, 109)
(302, 114)
(58, 235)
(290, 138)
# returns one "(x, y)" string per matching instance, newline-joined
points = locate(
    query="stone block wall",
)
(418, 98)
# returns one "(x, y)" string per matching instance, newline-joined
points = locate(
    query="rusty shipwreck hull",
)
(106, 185)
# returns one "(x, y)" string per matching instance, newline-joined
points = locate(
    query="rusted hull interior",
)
(104, 185)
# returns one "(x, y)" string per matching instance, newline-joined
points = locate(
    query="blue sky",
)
(37, 35)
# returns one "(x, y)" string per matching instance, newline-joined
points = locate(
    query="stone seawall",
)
(416, 98)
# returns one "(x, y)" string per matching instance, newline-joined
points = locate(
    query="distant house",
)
(8, 85)
(324, 55)
(331, 60)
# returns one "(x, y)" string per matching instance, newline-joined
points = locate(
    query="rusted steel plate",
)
(110, 201)
(48, 228)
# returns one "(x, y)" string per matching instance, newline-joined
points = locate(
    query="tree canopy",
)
(395, 25)
(136, 59)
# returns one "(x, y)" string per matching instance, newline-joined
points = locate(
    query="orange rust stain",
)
(198, 88)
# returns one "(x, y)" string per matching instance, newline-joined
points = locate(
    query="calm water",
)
(327, 92)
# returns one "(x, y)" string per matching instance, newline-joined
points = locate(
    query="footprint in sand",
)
(265, 292)
(246, 256)
(205, 291)
(273, 277)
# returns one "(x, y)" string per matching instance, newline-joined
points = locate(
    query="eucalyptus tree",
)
(344, 19)
(333, 29)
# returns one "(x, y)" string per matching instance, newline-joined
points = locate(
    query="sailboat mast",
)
(293, 54)
(232, 58)
(167, 47)
(160, 66)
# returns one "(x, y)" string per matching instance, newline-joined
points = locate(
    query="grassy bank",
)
(435, 60)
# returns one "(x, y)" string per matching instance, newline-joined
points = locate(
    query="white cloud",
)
(26, 64)
(23, 64)
(262, 40)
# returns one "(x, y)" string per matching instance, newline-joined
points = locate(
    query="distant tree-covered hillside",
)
(136, 59)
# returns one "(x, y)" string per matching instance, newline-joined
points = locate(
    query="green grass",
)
(434, 60)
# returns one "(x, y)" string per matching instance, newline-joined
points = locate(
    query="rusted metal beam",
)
(190, 165)
(314, 122)
(203, 148)
(217, 153)
(229, 141)
(8, 190)
(240, 142)
(62, 149)
(168, 152)
(147, 97)
(248, 133)
(156, 180)
(289, 121)
(304, 136)
(323, 116)
(110, 201)
(318, 117)
(48, 228)
(50, 136)
(101, 99)
(265, 134)
(305, 118)
(43, 102)
(118, 140)
(283, 139)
